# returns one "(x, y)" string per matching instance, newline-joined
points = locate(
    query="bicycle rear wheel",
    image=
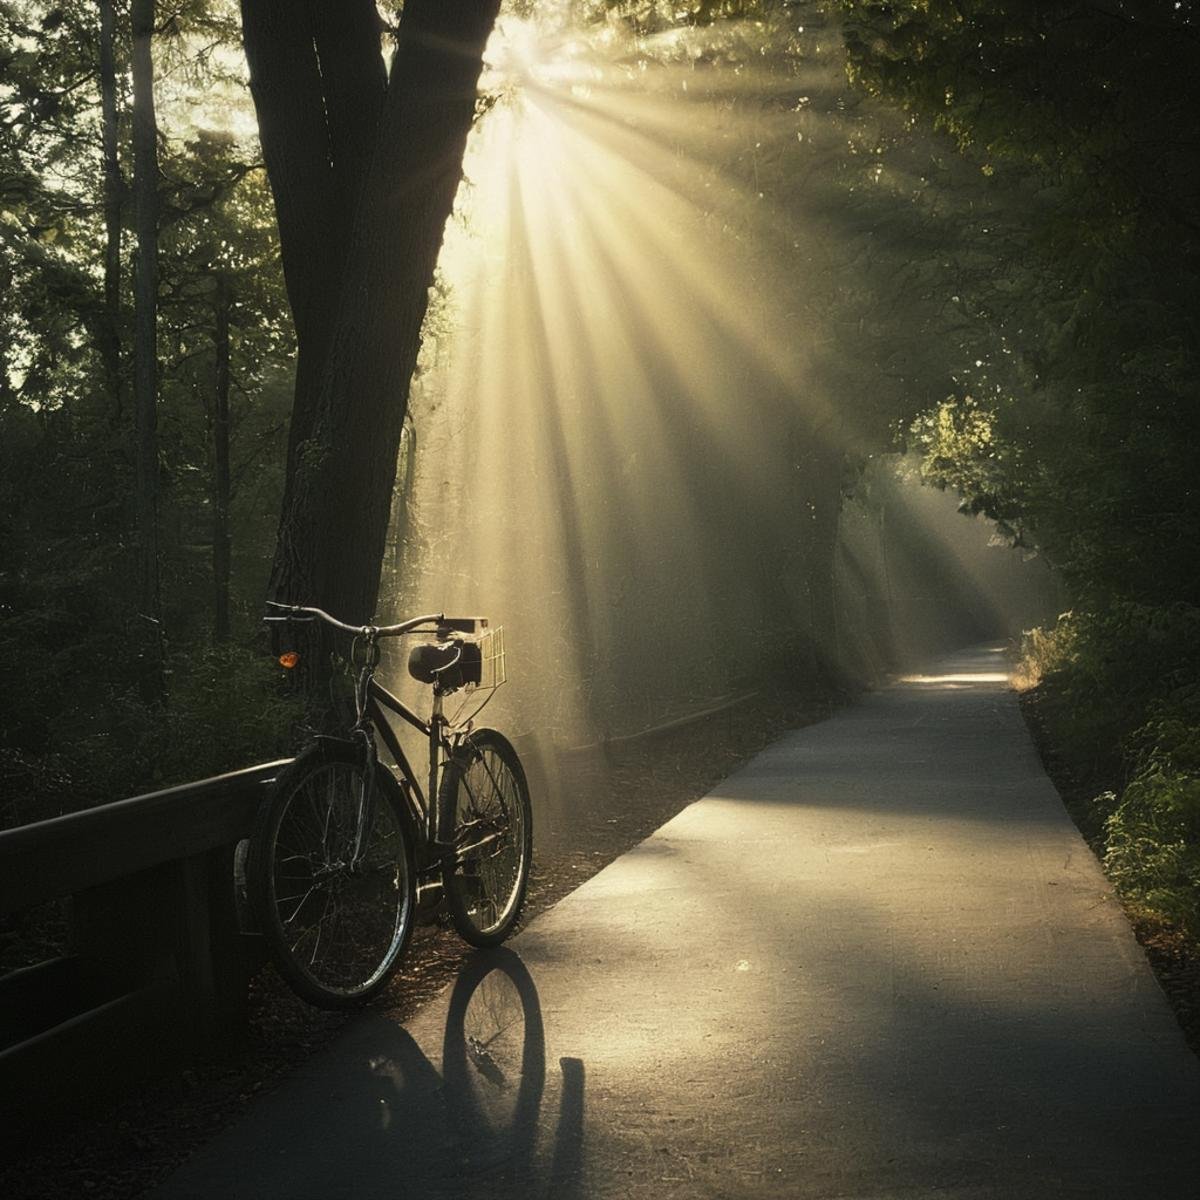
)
(484, 801)
(336, 929)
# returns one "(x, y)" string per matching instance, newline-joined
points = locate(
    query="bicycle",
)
(343, 846)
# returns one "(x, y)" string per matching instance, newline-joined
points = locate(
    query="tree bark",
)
(342, 466)
(318, 83)
(220, 479)
(402, 497)
(110, 324)
(145, 341)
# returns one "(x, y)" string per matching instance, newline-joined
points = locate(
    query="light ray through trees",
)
(628, 452)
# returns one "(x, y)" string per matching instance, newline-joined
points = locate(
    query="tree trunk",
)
(318, 84)
(220, 480)
(145, 342)
(340, 516)
(315, 116)
(110, 323)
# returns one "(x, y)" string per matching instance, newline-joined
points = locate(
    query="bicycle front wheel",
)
(337, 926)
(484, 800)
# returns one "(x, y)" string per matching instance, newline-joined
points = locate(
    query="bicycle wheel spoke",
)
(319, 927)
(337, 928)
(296, 911)
(488, 801)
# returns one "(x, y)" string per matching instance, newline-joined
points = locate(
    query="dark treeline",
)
(145, 349)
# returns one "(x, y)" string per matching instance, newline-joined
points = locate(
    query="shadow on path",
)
(377, 1118)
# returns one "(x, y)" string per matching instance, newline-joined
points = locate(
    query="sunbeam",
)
(629, 450)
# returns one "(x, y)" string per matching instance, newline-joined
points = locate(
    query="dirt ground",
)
(621, 795)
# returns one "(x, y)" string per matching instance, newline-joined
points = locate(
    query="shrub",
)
(226, 709)
(1120, 691)
(1153, 837)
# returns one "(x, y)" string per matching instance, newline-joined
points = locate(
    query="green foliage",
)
(1075, 269)
(1109, 668)
(962, 449)
(1153, 836)
(1120, 692)
(73, 728)
(228, 708)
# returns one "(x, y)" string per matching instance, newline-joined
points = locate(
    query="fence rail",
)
(158, 963)
(80, 850)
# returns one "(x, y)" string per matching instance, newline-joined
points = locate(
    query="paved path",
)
(878, 962)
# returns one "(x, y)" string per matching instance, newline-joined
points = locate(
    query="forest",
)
(736, 303)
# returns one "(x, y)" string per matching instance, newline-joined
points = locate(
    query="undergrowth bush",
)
(1120, 691)
(225, 709)
(1153, 836)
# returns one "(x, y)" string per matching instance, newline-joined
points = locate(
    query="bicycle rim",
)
(338, 927)
(487, 798)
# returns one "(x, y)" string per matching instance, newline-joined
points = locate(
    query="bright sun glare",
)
(610, 409)
(618, 347)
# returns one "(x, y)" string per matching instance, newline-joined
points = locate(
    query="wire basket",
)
(486, 652)
(491, 658)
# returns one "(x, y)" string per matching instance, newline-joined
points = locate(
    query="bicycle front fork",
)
(366, 800)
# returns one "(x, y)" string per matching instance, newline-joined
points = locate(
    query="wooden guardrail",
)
(158, 963)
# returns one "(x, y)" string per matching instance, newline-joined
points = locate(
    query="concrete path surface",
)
(877, 962)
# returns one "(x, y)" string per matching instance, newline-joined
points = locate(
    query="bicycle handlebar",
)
(439, 621)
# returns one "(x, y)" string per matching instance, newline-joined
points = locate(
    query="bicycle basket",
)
(490, 648)
(483, 660)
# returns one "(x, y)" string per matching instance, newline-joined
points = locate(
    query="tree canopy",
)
(1074, 412)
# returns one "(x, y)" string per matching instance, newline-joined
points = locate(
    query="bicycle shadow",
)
(373, 1116)
(487, 1099)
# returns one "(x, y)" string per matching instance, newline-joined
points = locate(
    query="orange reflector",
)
(289, 660)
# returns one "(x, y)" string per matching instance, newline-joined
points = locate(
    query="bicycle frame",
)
(426, 806)
(371, 698)
(424, 801)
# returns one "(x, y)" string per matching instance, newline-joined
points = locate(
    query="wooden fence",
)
(158, 964)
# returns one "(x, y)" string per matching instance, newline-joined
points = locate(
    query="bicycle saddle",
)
(449, 665)
(428, 660)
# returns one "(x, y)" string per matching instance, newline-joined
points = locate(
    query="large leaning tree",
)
(364, 163)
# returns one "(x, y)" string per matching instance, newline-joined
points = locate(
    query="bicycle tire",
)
(484, 800)
(336, 935)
